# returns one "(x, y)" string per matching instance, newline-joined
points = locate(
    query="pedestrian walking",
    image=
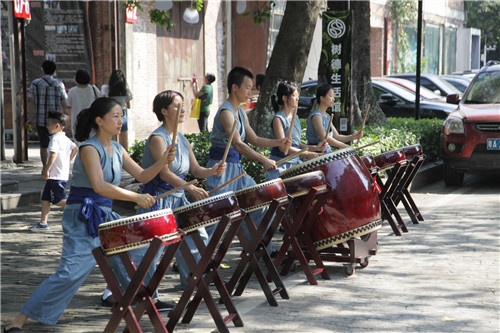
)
(46, 94)
(56, 170)
(81, 97)
(119, 91)
(205, 94)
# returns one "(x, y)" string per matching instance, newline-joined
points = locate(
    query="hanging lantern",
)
(191, 15)
(164, 4)
(241, 6)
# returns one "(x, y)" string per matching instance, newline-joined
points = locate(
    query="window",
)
(431, 48)
(274, 27)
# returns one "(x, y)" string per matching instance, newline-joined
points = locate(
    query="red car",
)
(470, 139)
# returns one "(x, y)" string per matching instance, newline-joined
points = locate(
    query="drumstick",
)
(174, 133)
(233, 130)
(226, 183)
(329, 127)
(364, 120)
(367, 145)
(180, 187)
(289, 157)
(290, 132)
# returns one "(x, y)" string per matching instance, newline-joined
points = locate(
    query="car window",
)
(309, 91)
(395, 90)
(447, 86)
(428, 84)
(485, 89)
(460, 86)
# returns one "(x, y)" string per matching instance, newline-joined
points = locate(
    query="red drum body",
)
(412, 151)
(300, 185)
(369, 162)
(352, 208)
(137, 231)
(261, 195)
(390, 158)
(206, 212)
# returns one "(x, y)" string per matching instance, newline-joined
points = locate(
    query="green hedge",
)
(398, 132)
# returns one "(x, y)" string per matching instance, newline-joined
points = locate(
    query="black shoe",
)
(108, 301)
(13, 330)
(175, 268)
(274, 254)
(164, 306)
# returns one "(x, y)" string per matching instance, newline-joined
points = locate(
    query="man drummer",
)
(239, 86)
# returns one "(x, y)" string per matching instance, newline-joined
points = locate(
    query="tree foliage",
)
(484, 15)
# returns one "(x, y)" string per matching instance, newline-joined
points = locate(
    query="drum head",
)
(318, 161)
(135, 218)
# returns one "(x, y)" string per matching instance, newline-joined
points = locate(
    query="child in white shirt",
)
(56, 171)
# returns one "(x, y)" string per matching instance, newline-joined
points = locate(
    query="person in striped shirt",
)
(46, 94)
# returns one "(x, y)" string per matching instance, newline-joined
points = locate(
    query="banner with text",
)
(335, 63)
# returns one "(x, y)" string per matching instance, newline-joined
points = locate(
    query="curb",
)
(429, 173)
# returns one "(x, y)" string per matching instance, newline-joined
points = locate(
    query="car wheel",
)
(452, 177)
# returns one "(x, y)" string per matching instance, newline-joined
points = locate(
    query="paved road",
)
(442, 276)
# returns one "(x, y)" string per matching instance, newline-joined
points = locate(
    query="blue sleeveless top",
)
(111, 165)
(276, 153)
(218, 136)
(311, 135)
(180, 166)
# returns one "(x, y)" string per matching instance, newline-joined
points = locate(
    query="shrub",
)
(401, 132)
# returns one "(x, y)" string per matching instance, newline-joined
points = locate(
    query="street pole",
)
(15, 86)
(419, 55)
(2, 111)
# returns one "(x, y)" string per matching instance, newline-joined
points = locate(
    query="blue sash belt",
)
(275, 151)
(217, 153)
(90, 210)
(156, 186)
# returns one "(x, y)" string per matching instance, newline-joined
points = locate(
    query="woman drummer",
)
(95, 183)
(319, 122)
(165, 107)
(284, 102)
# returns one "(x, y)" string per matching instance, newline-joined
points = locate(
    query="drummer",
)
(95, 183)
(165, 107)
(319, 122)
(284, 102)
(239, 86)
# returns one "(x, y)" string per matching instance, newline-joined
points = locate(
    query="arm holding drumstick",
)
(363, 123)
(290, 132)
(172, 191)
(291, 156)
(212, 191)
(176, 125)
(233, 130)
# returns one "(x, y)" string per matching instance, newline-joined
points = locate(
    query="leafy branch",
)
(260, 15)
(158, 16)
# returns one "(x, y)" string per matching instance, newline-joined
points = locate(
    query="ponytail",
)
(85, 121)
(285, 88)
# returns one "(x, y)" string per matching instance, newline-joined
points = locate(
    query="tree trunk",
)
(289, 58)
(361, 70)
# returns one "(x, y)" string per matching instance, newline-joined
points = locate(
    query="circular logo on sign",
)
(336, 28)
